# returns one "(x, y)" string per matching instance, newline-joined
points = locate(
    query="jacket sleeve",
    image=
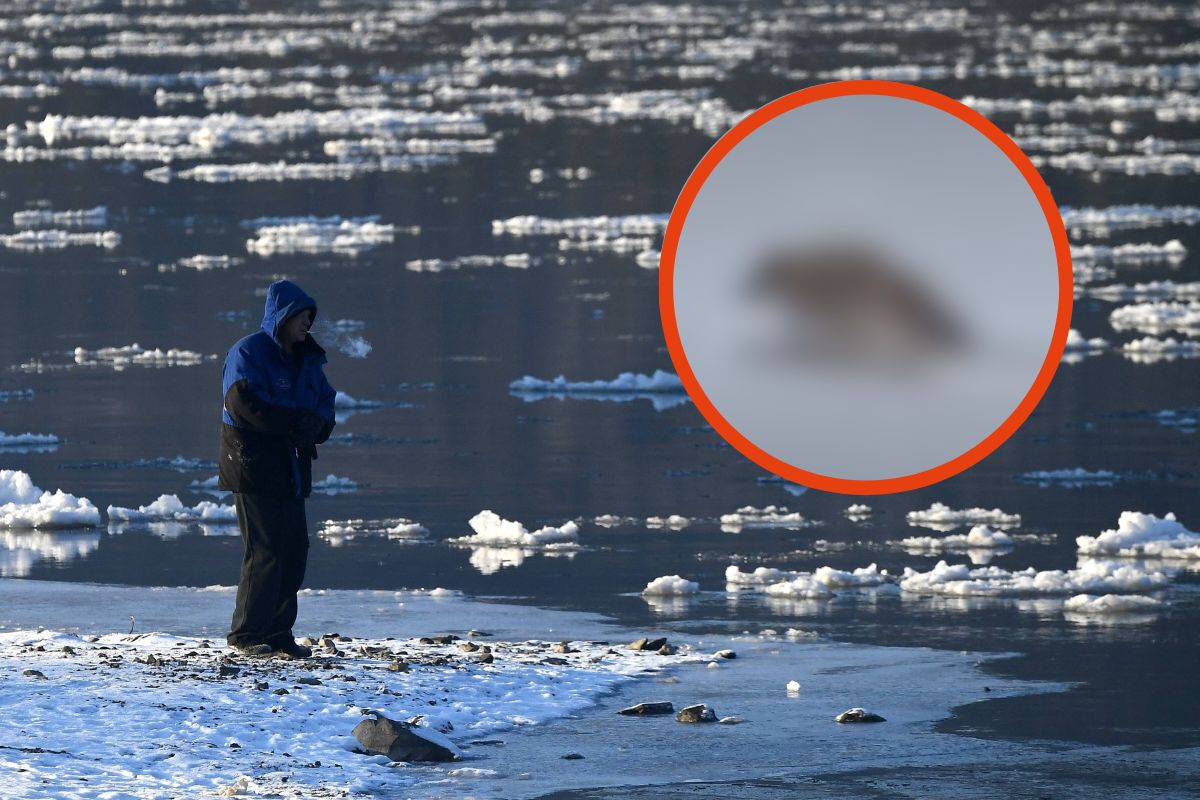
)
(245, 399)
(325, 409)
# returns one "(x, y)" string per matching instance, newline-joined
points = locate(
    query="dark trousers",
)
(275, 540)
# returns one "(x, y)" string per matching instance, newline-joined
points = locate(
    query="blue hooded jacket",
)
(277, 406)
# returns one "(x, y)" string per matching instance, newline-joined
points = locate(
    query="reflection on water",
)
(24, 549)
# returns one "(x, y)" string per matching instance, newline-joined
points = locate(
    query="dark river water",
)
(551, 86)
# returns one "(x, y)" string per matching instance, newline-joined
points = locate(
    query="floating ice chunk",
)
(1172, 252)
(491, 529)
(55, 239)
(1140, 535)
(343, 400)
(663, 389)
(1070, 478)
(671, 585)
(44, 217)
(121, 357)
(760, 577)
(1153, 290)
(858, 511)
(201, 263)
(331, 484)
(1111, 604)
(626, 382)
(318, 235)
(1077, 344)
(1127, 164)
(802, 586)
(941, 514)
(1151, 350)
(24, 439)
(870, 575)
(24, 505)
(1156, 317)
(675, 522)
(512, 261)
(1091, 576)
(768, 517)
(980, 536)
(338, 532)
(170, 507)
(1102, 222)
(612, 520)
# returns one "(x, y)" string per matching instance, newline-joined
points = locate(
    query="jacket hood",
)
(284, 299)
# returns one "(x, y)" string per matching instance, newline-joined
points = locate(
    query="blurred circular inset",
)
(865, 287)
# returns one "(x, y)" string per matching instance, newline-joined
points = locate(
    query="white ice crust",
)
(25, 505)
(1139, 535)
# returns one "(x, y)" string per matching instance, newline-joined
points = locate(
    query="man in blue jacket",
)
(278, 408)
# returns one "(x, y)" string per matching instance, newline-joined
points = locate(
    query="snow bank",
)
(491, 530)
(1091, 577)
(24, 505)
(940, 514)
(671, 586)
(225, 738)
(169, 507)
(1139, 535)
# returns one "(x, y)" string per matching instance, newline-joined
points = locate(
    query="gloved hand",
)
(306, 428)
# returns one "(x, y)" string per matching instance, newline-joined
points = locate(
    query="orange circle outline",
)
(666, 297)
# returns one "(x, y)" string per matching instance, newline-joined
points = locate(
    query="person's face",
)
(295, 328)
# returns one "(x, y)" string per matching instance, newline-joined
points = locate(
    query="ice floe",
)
(674, 522)
(1139, 535)
(1078, 348)
(169, 507)
(490, 529)
(637, 234)
(1153, 290)
(511, 260)
(13, 440)
(818, 584)
(48, 218)
(1135, 254)
(1090, 577)
(25, 505)
(339, 531)
(331, 484)
(663, 389)
(980, 536)
(283, 235)
(1157, 317)
(1152, 350)
(55, 239)
(1111, 604)
(1069, 478)
(858, 511)
(768, 517)
(201, 263)
(120, 358)
(671, 585)
(1103, 222)
(940, 514)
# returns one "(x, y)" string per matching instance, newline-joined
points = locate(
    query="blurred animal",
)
(848, 303)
